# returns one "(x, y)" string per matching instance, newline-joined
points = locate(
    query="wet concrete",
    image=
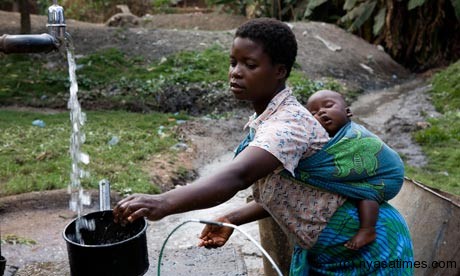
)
(394, 113)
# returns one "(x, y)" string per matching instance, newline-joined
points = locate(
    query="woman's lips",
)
(236, 87)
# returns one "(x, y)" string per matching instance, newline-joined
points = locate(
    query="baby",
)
(331, 110)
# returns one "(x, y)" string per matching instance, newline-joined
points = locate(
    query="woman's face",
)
(252, 75)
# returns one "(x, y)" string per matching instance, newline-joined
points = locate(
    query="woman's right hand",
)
(214, 236)
(133, 207)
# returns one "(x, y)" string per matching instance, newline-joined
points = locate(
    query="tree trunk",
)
(24, 9)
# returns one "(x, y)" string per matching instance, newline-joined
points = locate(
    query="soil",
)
(324, 51)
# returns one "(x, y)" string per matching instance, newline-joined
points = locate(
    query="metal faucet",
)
(36, 43)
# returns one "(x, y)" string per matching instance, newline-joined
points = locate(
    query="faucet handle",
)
(56, 21)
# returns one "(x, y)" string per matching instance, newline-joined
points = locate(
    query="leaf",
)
(363, 16)
(349, 4)
(315, 3)
(312, 5)
(456, 5)
(379, 21)
(414, 3)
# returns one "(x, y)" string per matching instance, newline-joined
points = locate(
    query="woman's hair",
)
(276, 37)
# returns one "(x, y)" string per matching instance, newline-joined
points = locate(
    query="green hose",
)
(218, 224)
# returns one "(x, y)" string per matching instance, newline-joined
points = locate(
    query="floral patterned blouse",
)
(289, 132)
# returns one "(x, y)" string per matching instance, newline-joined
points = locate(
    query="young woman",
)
(282, 132)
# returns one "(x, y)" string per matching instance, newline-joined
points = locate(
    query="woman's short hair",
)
(276, 37)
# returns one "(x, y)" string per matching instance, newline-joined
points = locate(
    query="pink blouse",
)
(289, 132)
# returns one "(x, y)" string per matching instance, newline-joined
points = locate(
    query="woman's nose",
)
(235, 71)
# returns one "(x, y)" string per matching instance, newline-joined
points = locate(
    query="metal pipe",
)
(104, 195)
(37, 43)
(27, 43)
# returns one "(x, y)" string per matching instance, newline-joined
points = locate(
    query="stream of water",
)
(78, 197)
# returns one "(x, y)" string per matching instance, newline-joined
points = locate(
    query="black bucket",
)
(110, 249)
(2, 265)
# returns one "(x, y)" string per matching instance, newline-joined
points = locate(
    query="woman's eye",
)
(251, 66)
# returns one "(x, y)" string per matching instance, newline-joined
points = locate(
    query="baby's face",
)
(330, 110)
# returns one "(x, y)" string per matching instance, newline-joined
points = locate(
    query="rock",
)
(123, 19)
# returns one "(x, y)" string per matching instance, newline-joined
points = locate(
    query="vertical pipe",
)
(104, 195)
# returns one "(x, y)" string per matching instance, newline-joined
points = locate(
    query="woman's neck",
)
(259, 107)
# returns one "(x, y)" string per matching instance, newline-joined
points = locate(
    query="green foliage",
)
(379, 21)
(14, 239)
(101, 73)
(25, 75)
(446, 89)
(193, 67)
(456, 5)
(34, 158)
(414, 4)
(304, 87)
(441, 141)
(349, 4)
(312, 5)
(358, 14)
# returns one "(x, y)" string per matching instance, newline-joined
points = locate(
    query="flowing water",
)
(78, 197)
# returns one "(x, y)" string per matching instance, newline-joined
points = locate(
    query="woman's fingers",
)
(120, 208)
(142, 212)
(128, 209)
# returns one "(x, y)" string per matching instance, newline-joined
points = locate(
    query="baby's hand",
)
(214, 236)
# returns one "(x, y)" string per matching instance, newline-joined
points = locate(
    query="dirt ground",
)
(324, 51)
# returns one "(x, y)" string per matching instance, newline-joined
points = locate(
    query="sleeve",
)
(287, 135)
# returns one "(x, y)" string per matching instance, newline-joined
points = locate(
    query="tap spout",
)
(56, 21)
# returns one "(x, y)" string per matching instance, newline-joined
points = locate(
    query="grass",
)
(109, 75)
(441, 142)
(14, 239)
(34, 158)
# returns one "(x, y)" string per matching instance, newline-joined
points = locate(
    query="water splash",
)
(78, 197)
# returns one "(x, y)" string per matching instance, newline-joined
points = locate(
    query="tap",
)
(37, 43)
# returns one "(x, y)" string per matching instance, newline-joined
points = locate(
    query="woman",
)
(282, 132)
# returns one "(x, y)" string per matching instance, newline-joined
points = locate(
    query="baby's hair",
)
(276, 37)
(344, 99)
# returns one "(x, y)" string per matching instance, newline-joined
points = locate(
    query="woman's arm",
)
(214, 236)
(250, 165)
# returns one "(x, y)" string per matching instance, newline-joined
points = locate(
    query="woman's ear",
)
(349, 113)
(281, 71)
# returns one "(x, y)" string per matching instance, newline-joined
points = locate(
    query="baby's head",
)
(330, 109)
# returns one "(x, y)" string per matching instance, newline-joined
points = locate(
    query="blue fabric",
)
(354, 163)
(390, 254)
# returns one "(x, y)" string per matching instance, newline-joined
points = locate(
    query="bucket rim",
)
(142, 232)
